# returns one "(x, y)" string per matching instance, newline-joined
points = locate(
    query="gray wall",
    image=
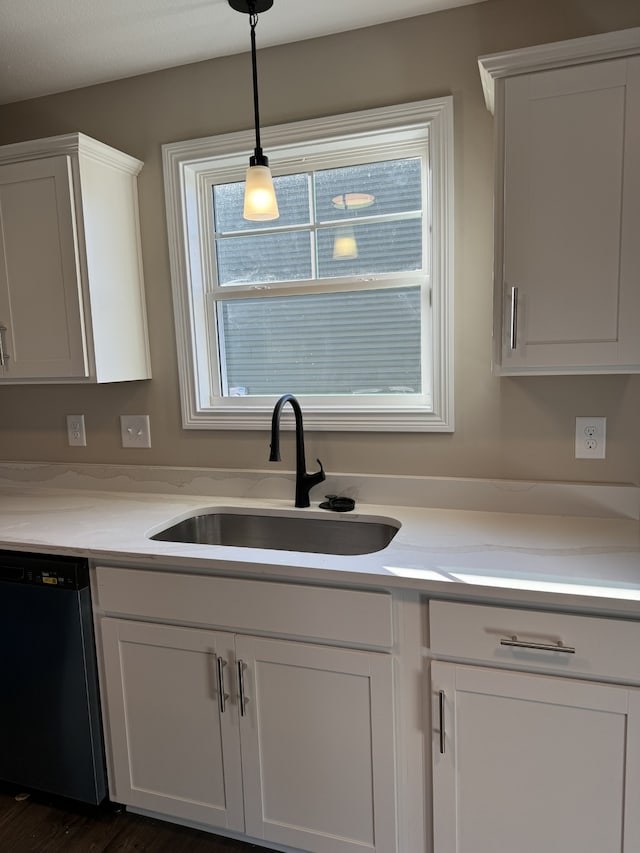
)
(515, 428)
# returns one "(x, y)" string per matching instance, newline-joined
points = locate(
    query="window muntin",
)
(209, 274)
(315, 208)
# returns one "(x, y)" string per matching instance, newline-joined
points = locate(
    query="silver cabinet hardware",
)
(4, 356)
(222, 696)
(441, 710)
(513, 333)
(243, 699)
(541, 647)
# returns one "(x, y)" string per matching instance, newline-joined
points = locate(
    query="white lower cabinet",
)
(284, 741)
(317, 746)
(173, 750)
(527, 762)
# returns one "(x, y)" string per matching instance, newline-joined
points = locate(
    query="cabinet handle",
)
(541, 647)
(4, 357)
(441, 699)
(222, 696)
(243, 698)
(513, 332)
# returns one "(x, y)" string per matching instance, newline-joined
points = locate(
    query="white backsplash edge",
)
(541, 498)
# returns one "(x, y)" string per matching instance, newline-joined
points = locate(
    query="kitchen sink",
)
(314, 534)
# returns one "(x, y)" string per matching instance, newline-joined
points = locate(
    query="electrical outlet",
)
(135, 430)
(76, 435)
(591, 438)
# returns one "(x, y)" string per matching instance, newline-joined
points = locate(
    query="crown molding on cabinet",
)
(541, 57)
(70, 143)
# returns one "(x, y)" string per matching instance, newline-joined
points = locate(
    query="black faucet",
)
(304, 482)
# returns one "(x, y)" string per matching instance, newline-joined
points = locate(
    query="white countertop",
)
(587, 561)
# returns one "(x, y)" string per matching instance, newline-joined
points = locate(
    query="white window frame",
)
(188, 169)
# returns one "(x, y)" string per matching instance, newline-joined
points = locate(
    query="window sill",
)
(259, 418)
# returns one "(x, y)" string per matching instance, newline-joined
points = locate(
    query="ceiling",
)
(54, 46)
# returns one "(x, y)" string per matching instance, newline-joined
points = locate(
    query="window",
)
(345, 300)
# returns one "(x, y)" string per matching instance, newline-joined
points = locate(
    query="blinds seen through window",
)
(360, 342)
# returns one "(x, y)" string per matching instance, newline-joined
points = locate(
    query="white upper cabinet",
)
(567, 205)
(71, 289)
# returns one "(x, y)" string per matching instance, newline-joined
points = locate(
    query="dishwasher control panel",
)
(53, 571)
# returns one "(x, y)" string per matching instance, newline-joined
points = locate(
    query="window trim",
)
(184, 163)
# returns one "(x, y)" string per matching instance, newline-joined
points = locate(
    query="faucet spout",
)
(304, 481)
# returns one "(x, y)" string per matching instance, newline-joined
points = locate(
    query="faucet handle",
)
(317, 476)
(305, 482)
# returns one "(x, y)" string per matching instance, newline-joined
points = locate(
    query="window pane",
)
(393, 186)
(292, 192)
(364, 342)
(381, 247)
(264, 258)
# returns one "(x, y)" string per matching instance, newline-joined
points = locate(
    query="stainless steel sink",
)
(320, 535)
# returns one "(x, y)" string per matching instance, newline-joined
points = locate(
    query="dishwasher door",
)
(50, 725)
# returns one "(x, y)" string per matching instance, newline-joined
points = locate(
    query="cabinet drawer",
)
(341, 615)
(591, 647)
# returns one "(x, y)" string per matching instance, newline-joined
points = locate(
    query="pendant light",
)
(260, 203)
(345, 247)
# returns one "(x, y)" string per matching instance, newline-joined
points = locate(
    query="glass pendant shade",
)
(344, 246)
(260, 203)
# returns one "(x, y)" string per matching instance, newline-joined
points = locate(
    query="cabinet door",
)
(174, 750)
(571, 299)
(532, 763)
(317, 746)
(40, 291)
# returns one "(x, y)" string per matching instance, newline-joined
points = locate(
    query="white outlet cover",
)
(135, 430)
(591, 437)
(76, 435)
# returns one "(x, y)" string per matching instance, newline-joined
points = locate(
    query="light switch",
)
(135, 430)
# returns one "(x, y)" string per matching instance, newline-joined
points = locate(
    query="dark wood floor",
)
(42, 825)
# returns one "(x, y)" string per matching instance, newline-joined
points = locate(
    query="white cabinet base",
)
(172, 750)
(532, 763)
(296, 748)
(317, 747)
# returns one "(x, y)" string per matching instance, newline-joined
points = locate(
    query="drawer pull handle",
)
(222, 696)
(541, 647)
(441, 709)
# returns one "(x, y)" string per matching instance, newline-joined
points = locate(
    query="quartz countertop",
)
(582, 554)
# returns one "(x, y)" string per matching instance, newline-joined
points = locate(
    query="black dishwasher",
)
(50, 725)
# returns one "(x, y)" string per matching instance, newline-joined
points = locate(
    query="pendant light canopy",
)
(352, 201)
(260, 203)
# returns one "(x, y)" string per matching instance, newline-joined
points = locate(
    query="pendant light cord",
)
(259, 158)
